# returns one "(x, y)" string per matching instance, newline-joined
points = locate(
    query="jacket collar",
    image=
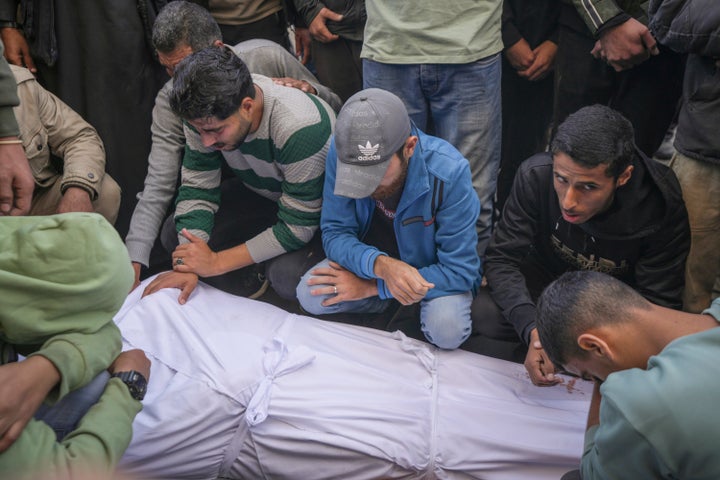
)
(417, 182)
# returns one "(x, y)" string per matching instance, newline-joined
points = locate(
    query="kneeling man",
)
(398, 221)
(655, 369)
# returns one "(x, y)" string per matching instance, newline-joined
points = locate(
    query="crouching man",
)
(398, 221)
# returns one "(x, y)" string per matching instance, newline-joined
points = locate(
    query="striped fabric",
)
(595, 13)
(284, 160)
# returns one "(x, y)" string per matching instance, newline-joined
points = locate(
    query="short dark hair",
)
(596, 135)
(183, 23)
(211, 82)
(577, 302)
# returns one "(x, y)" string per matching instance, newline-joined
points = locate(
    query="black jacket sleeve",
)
(511, 243)
(660, 271)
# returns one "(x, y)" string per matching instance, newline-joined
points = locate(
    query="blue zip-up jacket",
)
(441, 241)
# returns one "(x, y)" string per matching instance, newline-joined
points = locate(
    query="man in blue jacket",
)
(398, 221)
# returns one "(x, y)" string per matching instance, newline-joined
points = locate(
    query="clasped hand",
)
(404, 281)
(23, 387)
(625, 45)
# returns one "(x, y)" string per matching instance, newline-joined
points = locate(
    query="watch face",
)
(138, 386)
(135, 381)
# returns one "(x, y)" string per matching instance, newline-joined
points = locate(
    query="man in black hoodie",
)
(594, 203)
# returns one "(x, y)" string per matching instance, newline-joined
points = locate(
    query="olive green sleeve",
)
(95, 446)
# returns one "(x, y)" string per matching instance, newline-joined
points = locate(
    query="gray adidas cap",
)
(372, 125)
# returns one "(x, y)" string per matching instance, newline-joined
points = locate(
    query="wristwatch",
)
(135, 381)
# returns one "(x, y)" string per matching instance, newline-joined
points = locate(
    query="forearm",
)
(164, 160)
(347, 250)
(99, 441)
(233, 259)
(80, 357)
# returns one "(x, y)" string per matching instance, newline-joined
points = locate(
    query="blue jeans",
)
(445, 321)
(459, 103)
(64, 416)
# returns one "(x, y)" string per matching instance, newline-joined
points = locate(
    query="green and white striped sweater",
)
(284, 160)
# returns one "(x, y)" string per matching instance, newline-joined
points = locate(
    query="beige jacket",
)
(48, 126)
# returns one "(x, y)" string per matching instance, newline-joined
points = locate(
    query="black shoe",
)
(254, 282)
(249, 282)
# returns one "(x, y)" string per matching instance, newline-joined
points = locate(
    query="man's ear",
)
(624, 176)
(218, 43)
(594, 345)
(246, 105)
(410, 145)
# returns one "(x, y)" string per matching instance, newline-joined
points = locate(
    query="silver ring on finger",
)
(335, 289)
(179, 261)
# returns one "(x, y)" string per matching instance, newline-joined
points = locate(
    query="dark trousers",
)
(488, 318)
(526, 115)
(242, 215)
(64, 416)
(646, 94)
(338, 66)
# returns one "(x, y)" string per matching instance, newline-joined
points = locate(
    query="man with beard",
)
(274, 139)
(398, 221)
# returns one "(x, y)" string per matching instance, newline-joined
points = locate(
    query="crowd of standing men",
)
(458, 156)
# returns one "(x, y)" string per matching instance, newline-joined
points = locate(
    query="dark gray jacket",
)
(693, 27)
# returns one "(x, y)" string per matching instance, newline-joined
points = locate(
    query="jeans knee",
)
(445, 321)
(309, 302)
(447, 335)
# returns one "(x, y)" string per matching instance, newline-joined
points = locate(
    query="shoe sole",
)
(261, 291)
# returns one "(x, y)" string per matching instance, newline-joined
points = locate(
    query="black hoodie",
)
(642, 239)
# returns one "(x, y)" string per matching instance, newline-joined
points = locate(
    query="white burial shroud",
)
(242, 389)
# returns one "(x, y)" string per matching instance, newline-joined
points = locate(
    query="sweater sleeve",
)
(271, 60)
(166, 154)
(79, 357)
(199, 193)
(95, 446)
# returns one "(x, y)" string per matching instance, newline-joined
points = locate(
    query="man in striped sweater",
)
(275, 140)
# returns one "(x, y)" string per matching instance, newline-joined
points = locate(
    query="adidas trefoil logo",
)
(369, 149)
(368, 152)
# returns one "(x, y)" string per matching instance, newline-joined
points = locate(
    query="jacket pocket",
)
(38, 155)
